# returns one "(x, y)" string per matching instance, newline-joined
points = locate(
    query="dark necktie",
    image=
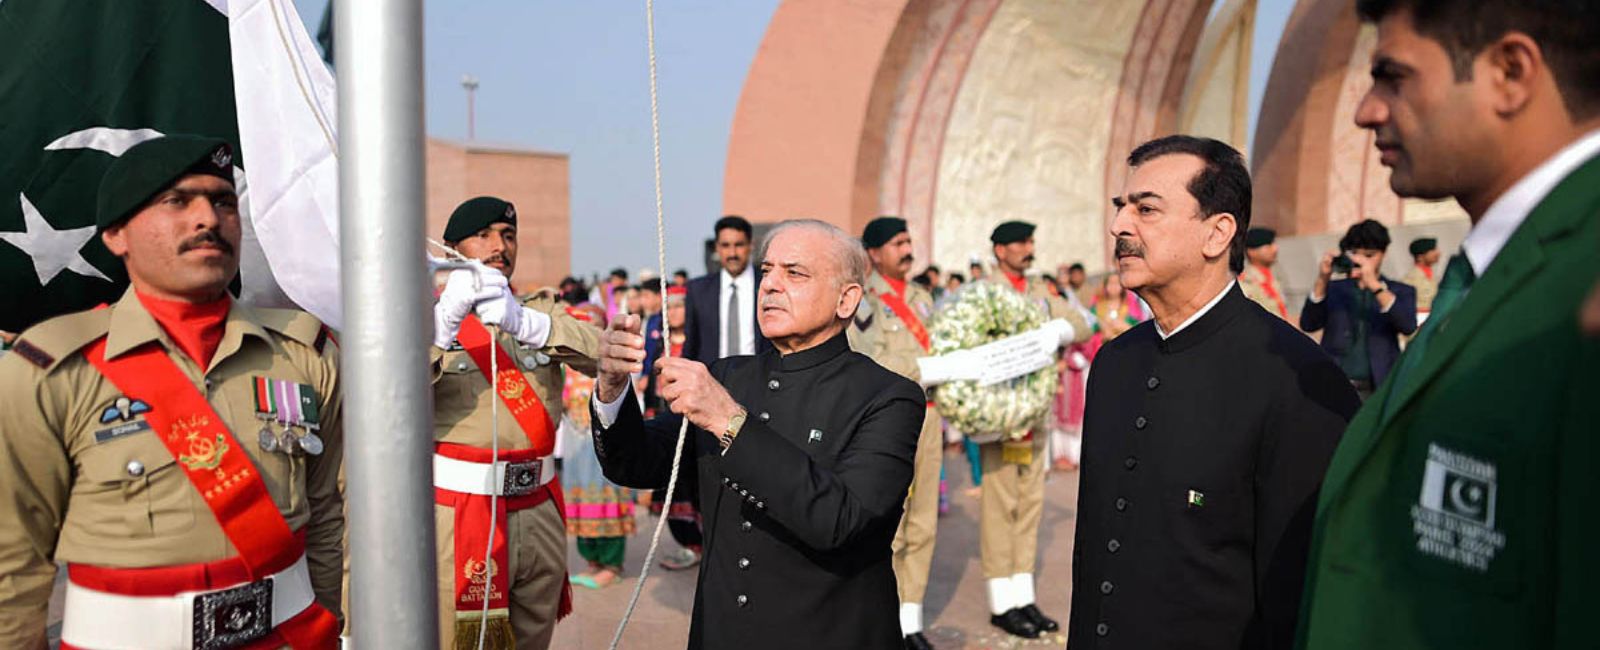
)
(1458, 277)
(732, 320)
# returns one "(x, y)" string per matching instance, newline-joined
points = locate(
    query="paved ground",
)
(956, 612)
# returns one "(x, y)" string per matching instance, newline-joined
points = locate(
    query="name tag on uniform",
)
(121, 430)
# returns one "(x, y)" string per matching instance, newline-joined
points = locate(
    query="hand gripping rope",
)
(666, 326)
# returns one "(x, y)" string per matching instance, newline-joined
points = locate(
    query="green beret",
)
(1258, 237)
(1011, 232)
(152, 166)
(1423, 244)
(477, 214)
(879, 231)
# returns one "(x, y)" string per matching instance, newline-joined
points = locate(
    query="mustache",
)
(773, 300)
(1128, 248)
(497, 257)
(909, 258)
(206, 238)
(1029, 258)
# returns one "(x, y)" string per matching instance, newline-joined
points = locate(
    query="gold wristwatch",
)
(735, 423)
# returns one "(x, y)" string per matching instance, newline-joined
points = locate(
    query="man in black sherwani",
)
(803, 455)
(1207, 429)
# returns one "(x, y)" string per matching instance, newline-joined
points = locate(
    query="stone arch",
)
(856, 109)
(1314, 170)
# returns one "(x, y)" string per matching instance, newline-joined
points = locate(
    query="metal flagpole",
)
(388, 407)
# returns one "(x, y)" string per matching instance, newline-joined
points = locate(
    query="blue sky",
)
(571, 76)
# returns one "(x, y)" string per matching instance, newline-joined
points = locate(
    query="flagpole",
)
(388, 418)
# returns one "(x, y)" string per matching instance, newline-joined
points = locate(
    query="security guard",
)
(1257, 281)
(1425, 255)
(525, 577)
(890, 326)
(179, 451)
(1013, 472)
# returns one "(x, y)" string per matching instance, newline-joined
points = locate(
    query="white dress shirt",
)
(1508, 212)
(746, 282)
(1195, 316)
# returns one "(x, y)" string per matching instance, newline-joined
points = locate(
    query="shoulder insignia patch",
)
(32, 354)
(864, 314)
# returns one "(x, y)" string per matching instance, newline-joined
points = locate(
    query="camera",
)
(1343, 264)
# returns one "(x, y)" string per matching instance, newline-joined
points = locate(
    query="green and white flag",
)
(81, 82)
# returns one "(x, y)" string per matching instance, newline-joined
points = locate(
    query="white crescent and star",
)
(53, 250)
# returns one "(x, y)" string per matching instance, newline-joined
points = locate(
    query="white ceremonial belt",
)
(505, 478)
(192, 619)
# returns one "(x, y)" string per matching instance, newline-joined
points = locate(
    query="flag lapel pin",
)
(1197, 499)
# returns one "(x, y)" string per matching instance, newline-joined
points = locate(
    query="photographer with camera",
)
(1363, 312)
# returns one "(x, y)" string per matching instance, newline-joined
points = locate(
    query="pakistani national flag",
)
(82, 81)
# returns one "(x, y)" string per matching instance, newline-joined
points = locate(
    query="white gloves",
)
(1063, 330)
(527, 326)
(462, 290)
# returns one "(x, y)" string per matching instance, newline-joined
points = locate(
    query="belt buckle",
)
(231, 617)
(521, 478)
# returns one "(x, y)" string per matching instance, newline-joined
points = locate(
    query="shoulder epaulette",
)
(45, 345)
(295, 325)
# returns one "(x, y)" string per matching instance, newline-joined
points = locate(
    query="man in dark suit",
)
(1206, 429)
(803, 455)
(1459, 508)
(1364, 314)
(713, 332)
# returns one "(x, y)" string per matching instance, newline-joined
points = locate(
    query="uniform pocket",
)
(135, 488)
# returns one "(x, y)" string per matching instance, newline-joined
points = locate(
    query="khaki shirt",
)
(879, 333)
(463, 397)
(1426, 288)
(1253, 283)
(69, 487)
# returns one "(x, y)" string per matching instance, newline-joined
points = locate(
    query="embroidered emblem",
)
(479, 575)
(203, 453)
(1454, 518)
(123, 409)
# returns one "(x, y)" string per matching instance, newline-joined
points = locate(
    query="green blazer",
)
(1463, 510)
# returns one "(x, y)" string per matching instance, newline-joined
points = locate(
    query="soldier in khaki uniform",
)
(174, 442)
(1013, 473)
(535, 338)
(1256, 280)
(890, 327)
(1425, 254)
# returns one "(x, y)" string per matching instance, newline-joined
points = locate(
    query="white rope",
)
(666, 327)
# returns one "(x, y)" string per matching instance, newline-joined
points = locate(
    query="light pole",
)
(470, 83)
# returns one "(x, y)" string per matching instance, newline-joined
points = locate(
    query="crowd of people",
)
(1409, 463)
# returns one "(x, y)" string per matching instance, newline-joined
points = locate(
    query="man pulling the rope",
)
(525, 575)
(179, 451)
(803, 453)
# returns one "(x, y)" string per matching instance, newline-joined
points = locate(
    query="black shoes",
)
(915, 641)
(1044, 623)
(1016, 623)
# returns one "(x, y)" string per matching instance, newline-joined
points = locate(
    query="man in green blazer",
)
(1462, 507)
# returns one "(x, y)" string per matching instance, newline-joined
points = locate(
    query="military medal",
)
(311, 444)
(291, 405)
(269, 442)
